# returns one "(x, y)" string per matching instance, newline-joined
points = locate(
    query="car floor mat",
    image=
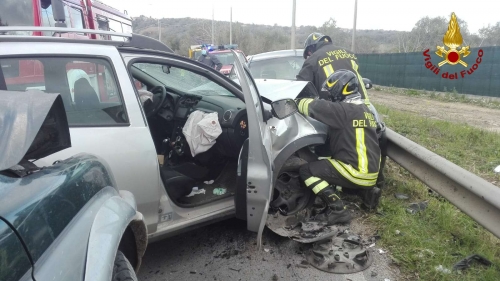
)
(226, 181)
(301, 227)
(342, 255)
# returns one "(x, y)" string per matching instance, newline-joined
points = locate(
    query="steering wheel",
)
(159, 94)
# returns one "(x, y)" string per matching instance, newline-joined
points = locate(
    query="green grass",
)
(446, 96)
(441, 234)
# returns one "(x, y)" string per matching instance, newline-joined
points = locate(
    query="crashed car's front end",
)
(66, 220)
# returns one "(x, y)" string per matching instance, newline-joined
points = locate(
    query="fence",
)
(409, 70)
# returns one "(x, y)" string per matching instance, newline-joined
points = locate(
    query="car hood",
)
(33, 125)
(277, 89)
(40, 205)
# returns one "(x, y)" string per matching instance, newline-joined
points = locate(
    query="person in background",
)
(209, 59)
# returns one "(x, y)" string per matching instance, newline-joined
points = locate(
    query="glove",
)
(301, 104)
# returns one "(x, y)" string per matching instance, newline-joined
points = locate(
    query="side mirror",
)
(58, 13)
(284, 108)
(165, 69)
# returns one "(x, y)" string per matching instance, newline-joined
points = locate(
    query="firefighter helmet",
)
(312, 40)
(341, 84)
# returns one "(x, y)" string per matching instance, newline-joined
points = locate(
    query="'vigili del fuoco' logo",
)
(454, 54)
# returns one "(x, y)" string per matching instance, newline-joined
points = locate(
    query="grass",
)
(447, 96)
(441, 234)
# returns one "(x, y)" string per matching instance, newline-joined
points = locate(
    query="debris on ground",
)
(374, 273)
(380, 251)
(219, 191)
(193, 272)
(468, 261)
(421, 254)
(275, 277)
(416, 207)
(196, 191)
(398, 232)
(342, 254)
(303, 264)
(497, 169)
(208, 182)
(266, 250)
(401, 196)
(234, 269)
(303, 227)
(443, 269)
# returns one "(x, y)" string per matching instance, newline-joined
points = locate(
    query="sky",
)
(372, 14)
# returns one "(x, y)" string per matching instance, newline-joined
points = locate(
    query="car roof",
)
(277, 54)
(135, 40)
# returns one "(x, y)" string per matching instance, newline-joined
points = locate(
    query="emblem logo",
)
(453, 40)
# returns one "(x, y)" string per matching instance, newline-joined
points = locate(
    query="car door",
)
(255, 159)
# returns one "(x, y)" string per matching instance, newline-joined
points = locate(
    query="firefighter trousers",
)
(320, 174)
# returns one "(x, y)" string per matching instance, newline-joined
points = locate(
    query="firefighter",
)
(323, 59)
(354, 148)
(210, 60)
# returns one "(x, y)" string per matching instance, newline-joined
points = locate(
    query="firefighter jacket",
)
(353, 138)
(324, 61)
(210, 60)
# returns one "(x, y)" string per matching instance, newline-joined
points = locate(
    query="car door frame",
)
(259, 179)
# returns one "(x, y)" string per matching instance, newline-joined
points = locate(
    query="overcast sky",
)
(372, 14)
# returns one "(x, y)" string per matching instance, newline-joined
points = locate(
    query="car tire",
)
(122, 269)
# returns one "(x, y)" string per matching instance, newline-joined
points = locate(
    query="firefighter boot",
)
(370, 197)
(336, 213)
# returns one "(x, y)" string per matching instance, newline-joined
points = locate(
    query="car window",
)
(182, 80)
(115, 26)
(73, 18)
(17, 13)
(88, 86)
(76, 17)
(225, 58)
(277, 68)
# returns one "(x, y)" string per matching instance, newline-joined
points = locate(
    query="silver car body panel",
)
(259, 173)
(131, 155)
(121, 147)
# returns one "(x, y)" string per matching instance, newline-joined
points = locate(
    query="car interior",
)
(176, 94)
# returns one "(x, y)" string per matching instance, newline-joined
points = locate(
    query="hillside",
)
(179, 34)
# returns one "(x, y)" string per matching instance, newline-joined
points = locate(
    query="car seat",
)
(85, 95)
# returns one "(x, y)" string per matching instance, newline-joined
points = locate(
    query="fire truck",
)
(80, 14)
(222, 52)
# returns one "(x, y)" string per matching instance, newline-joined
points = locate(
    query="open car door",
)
(254, 189)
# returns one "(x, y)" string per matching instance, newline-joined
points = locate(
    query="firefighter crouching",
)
(323, 58)
(354, 147)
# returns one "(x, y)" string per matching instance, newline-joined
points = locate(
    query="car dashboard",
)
(231, 113)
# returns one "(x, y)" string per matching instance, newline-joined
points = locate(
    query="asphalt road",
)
(227, 251)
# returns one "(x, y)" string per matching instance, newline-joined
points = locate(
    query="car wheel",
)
(122, 269)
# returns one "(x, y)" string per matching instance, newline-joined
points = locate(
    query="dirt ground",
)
(482, 117)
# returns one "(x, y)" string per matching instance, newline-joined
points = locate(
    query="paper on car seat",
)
(201, 130)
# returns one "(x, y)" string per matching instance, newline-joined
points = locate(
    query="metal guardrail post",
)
(470, 193)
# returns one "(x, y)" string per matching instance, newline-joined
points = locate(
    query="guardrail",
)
(472, 194)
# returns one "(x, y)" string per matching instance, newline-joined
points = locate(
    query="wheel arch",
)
(292, 147)
(117, 226)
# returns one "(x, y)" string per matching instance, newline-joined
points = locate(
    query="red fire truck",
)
(81, 14)
(78, 14)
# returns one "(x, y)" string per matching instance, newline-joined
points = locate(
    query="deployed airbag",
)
(201, 130)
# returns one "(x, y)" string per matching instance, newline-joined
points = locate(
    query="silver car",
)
(281, 65)
(105, 87)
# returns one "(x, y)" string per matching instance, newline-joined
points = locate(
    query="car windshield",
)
(181, 80)
(277, 68)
